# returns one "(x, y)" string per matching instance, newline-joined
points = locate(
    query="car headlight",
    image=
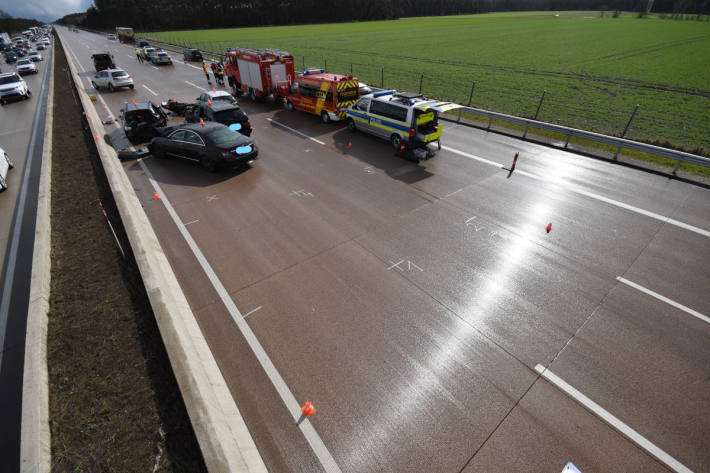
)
(127, 128)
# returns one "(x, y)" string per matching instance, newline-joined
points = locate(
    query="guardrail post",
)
(567, 142)
(633, 114)
(470, 98)
(421, 79)
(676, 166)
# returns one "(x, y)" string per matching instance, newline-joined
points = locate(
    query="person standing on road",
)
(213, 66)
(220, 73)
(207, 73)
(138, 55)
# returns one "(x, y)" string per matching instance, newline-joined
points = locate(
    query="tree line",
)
(11, 25)
(196, 14)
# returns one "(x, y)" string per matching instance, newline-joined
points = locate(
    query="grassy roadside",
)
(114, 402)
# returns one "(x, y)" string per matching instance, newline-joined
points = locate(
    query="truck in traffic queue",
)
(259, 72)
(324, 94)
(125, 34)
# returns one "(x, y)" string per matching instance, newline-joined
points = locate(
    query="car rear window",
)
(221, 136)
(228, 116)
(118, 74)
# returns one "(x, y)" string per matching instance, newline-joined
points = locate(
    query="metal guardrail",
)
(620, 143)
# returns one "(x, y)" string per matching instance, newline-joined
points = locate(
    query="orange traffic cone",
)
(202, 122)
(308, 409)
(209, 102)
(350, 144)
(134, 103)
(515, 161)
(155, 194)
(401, 147)
(96, 137)
(548, 227)
(214, 90)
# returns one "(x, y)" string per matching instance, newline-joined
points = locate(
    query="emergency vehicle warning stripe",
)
(346, 84)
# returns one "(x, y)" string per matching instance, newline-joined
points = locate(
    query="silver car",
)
(34, 56)
(5, 165)
(12, 86)
(25, 66)
(112, 79)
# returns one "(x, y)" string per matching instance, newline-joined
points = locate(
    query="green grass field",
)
(595, 70)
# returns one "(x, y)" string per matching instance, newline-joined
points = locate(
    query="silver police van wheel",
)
(396, 141)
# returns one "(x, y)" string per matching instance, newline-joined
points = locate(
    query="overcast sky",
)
(43, 10)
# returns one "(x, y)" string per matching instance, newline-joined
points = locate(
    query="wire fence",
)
(636, 110)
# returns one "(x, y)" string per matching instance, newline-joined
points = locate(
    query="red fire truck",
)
(259, 72)
(324, 94)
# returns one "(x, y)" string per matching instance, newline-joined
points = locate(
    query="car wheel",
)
(396, 141)
(110, 87)
(351, 125)
(130, 87)
(325, 117)
(3, 184)
(289, 106)
(93, 84)
(208, 164)
(2, 102)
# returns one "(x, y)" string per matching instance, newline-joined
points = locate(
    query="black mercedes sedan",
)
(213, 145)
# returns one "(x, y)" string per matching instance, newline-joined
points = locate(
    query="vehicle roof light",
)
(382, 93)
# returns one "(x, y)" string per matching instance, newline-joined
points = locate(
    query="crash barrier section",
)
(35, 440)
(619, 143)
(225, 441)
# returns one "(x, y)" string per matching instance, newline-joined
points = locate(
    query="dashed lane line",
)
(668, 301)
(607, 417)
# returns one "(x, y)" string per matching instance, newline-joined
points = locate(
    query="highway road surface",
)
(423, 308)
(22, 137)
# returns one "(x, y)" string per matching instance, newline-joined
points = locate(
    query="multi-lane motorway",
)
(423, 308)
(22, 137)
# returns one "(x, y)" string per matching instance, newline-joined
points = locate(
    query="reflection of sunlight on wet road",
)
(449, 356)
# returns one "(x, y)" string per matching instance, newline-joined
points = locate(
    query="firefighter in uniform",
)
(207, 73)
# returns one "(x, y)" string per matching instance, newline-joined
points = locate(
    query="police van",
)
(408, 120)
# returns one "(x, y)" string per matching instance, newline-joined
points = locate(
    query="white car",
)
(5, 165)
(25, 66)
(45, 41)
(217, 96)
(112, 79)
(34, 56)
(13, 86)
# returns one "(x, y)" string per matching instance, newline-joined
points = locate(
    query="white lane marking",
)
(251, 312)
(155, 67)
(668, 301)
(601, 198)
(607, 417)
(296, 131)
(191, 222)
(149, 90)
(309, 432)
(194, 85)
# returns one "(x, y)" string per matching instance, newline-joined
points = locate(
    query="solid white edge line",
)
(149, 89)
(296, 131)
(194, 85)
(292, 405)
(586, 193)
(607, 417)
(668, 301)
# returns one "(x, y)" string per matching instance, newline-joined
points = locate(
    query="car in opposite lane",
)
(213, 145)
(5, 166)
(112, 79)
(26, 66)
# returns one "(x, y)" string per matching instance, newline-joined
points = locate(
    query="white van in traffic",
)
(5, 165)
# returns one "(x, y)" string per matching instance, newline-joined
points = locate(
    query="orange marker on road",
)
(202, 122)
(350, 144)
(308, 409)
(155, 194)
(134, 103)
(548, 227)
